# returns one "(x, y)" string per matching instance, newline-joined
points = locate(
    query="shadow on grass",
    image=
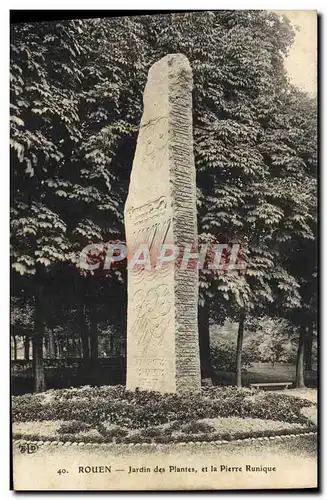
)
(265, 373)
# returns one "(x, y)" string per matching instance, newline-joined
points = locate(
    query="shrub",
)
(195, 427)
(173, 426)
(115, 432)
(152, 431)
(137, 438)
(28, 406)
(73, 427)
(163, 439)
(279, 407)
(223, 356)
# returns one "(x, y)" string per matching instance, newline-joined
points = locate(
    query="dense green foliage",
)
(223, 355)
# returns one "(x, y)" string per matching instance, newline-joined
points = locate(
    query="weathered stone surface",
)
(162, 332)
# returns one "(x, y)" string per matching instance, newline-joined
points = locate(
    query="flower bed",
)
(203, 430)
(112, 414)
(141, 409)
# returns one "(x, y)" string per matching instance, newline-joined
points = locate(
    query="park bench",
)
(270, 385)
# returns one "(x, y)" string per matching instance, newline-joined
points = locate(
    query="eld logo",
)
(28, 448)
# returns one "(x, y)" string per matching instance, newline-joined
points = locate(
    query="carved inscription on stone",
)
(162, 335)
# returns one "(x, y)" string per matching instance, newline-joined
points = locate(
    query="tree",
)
(239, 350)
(300, 249)
(309, 348)
(21, 319)
(63, 192)
(239, 86)
(45, 75)
(299, 379)
(273, 338)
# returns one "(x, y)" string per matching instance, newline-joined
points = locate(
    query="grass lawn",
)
(112, 414)
(266, 372)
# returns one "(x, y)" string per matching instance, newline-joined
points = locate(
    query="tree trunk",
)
(239, 350)
(15, 347)
(204, 343)
(299, 381)
(308, 348)
(26, 347)
(60, 349)
(52, 346)
(56, 348)
(79, 348)
(68, 347)
(94, 332)
(38, 368)
(111, 343)
(84, 331)
(46, 347)
(74, 347)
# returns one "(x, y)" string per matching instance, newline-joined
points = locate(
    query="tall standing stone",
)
(162, 331)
